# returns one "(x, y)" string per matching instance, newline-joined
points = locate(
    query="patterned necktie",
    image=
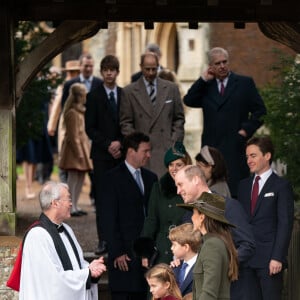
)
(112, 101)
(138, 180)
(254, 194)
(222, 88)
(152, 93)
(182, 273)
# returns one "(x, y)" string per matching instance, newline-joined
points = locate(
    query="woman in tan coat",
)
(75, 151)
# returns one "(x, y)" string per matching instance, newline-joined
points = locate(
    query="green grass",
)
(20, 169)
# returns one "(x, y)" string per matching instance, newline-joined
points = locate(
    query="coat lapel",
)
(161, 97)
(142, 97)
(230, 87)
(265, 189)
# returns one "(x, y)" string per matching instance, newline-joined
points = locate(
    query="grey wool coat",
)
(163, 122)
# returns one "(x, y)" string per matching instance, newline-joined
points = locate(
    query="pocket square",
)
(269, 194)
(169, 101)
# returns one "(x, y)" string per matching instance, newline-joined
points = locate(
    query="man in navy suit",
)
(232, 111)
(124, 200)
(102, 127)
(271, 217)
(86, 77)
(191, 183)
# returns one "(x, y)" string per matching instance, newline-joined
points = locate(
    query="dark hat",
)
(176, 152)
(212, 205)
(145, 247)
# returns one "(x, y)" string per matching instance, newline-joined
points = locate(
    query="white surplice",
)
(42, 274)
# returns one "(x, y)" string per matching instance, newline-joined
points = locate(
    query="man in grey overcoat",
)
(153, 106)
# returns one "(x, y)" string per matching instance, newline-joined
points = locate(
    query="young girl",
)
(162, 283)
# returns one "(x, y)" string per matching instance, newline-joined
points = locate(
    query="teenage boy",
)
(102, 127)
(185, 246)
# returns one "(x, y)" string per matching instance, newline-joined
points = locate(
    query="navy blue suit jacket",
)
(241, 107)
(187, 284)
(272, 221)
(101, 124)
(122, 217)
(96, 82)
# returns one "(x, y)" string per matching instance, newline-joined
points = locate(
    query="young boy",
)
(185, 246)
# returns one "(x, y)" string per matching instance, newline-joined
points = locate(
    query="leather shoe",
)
(82, 212)
(102, 248)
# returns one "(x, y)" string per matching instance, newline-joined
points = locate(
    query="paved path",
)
(84, 227)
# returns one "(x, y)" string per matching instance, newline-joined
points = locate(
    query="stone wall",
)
(251, 52)
(9, 246)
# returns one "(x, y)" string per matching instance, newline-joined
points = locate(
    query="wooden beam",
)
(160, 11)
(66, 34)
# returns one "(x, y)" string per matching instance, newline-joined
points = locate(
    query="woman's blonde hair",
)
(163, 273)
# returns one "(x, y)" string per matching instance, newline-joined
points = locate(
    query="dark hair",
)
(133, 140)
(223, 231)
(219, 169)
(110, 62)
(264, 143)
(167, 75)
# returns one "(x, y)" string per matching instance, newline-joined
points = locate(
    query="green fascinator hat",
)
(176, 152)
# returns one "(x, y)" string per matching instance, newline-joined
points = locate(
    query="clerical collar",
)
(60, 227)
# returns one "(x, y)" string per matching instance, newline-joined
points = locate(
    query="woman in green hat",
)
(217, 264)
(162, 211)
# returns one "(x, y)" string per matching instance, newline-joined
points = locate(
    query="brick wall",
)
(249, 49)
(9, 246)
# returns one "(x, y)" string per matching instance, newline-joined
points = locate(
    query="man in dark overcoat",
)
(125, 193)
(232, 111)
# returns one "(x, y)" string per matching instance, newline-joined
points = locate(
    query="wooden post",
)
(7, 125)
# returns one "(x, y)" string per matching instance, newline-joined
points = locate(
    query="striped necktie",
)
(152, 93)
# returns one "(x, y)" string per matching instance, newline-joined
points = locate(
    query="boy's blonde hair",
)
(185, 234)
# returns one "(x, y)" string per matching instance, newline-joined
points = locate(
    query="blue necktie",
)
(182, 273)
(88, 84)
(138, 180)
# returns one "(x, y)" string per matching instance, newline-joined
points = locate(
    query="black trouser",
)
(100, 167)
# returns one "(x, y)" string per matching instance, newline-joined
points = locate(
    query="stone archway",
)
(165, 35)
